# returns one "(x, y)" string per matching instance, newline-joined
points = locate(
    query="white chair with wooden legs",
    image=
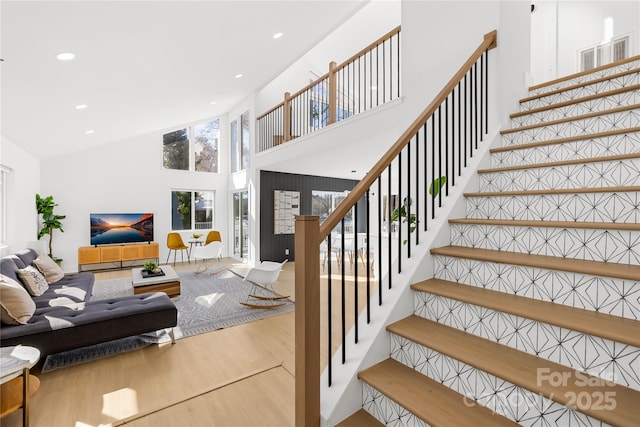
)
(262, 277)
(210, 251)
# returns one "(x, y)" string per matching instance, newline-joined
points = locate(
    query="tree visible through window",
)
(200, 153)
(191, 210)
(175, 146)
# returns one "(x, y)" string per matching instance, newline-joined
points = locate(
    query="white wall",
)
(371, 22)
(126, 176)
(23, 185)
(561, 28)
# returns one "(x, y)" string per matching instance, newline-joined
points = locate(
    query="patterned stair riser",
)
(604, 294)
(386, 410)
(582, 126)
(595, 75)
(516, 403)
(616, 173)
(614, 362)
(623, 207)
(578, 109)
(626, 143)
(619, 246)
(582, 91)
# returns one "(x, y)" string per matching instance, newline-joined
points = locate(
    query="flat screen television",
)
(112, 228)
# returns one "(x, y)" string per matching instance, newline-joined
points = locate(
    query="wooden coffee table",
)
(169, 283)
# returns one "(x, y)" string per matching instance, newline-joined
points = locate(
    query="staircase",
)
(532, 317)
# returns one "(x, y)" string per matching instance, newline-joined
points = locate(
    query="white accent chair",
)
(212, 250)
(262, 277)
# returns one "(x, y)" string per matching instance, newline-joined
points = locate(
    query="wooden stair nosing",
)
(360, 418)
(591, 97)
(630, 189)
(578, 85)
(427, 399)
(621, 226)
(585, 73)
(594, 268)
(571, 118)
(521, 369)
(564, 140)
(627, 156)
(614, 328)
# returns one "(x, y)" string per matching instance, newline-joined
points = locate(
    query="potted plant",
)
(50, 220)
(151, 266)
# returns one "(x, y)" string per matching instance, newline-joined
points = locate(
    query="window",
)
(605, 53)
(240, 149)
(325, 202)
(191, 210)
(200, 153)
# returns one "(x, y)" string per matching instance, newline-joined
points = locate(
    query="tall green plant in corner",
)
(50, 220)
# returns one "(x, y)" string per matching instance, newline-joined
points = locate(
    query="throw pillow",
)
(33, 280)
(48, 267)
(16, 306)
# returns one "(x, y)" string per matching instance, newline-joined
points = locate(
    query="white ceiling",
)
(143, 66)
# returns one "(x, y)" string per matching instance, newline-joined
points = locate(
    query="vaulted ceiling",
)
(142, 66)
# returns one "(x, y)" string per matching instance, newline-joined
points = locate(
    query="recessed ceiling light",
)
(277, 35)
(65, 56)
(81, 106)
(238, 76)
(89, 132)
(213, 103)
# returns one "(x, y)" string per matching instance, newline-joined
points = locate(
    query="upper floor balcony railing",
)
(368, 79)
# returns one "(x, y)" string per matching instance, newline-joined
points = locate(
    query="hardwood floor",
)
(240, 376)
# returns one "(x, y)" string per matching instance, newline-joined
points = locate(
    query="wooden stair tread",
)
(521, 369)
(429, 400)
(360, 419)
(572, 118)
(615, 328)
(629, 189)
(584, 73)
(595, 268)
(626, 226)
(563, 163)
(564, 140)
(576, 100)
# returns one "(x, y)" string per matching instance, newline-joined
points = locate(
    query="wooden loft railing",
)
(369, 78)
(437, 144)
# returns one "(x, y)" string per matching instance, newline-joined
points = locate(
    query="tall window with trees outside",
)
(192, 149)
(240, 144)
(191, 210)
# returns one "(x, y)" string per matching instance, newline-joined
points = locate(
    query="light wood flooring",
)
(240, 376)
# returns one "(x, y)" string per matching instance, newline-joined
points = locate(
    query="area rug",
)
(207, 302)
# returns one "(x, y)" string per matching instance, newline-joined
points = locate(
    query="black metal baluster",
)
(343, 307)
(368, 249)
(439, 155)
(329, 311)
(408, 204)
(389, 222)
(446, 145)
(380, 220)
(355, 271)
(399, 209)
(433, 163)
(426, 172)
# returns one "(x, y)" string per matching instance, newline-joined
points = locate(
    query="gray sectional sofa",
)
(66, 319)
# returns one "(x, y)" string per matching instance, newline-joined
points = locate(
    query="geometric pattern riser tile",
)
(616, 246)
(603, 294)
(632, 65)
(582, 149)
(618, 173)
(577, 109)
(386, 410)
(581, 91)
(585, 126)
(516, 403)
(623, 207)
(612, 361)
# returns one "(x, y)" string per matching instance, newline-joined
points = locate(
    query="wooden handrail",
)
(310, 85)
(489, 42)
(368, 48)
(270, 111)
